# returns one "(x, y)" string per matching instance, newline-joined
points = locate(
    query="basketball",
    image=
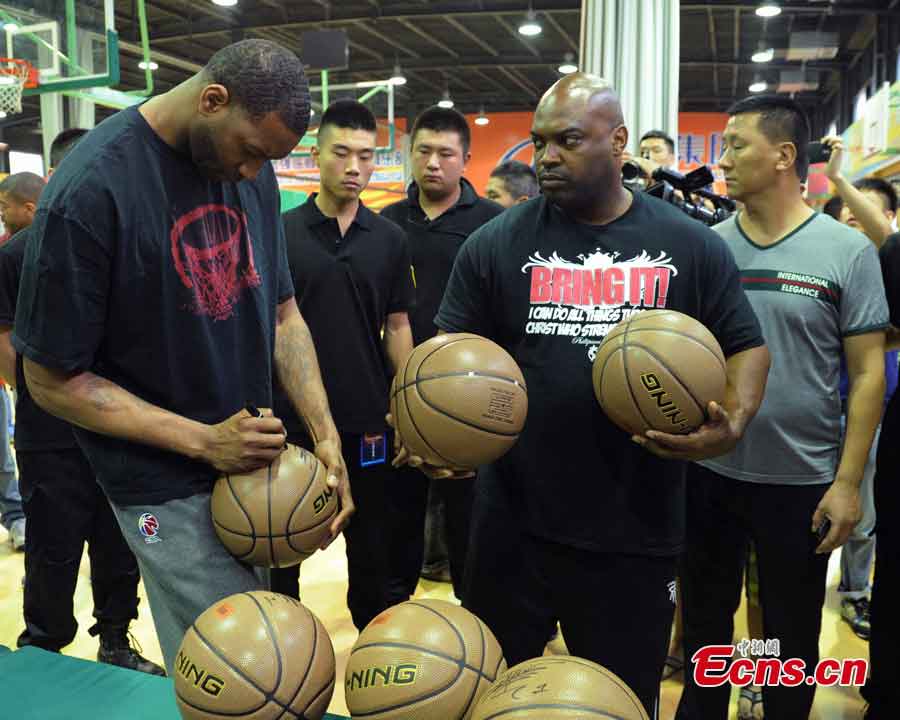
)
(256, 655)
(421, 659)
(659, 370)
(459, 401)
(557, 687)
(276, 516)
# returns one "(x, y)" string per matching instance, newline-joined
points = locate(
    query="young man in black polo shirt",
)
(56, 481)
(351, 270)
(439, 213)
(579, 522)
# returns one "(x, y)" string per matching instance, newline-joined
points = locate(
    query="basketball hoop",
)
(15, 76)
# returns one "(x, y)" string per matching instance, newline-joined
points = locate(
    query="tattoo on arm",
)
(298, 371)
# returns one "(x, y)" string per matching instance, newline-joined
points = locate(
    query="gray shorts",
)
(184, 566)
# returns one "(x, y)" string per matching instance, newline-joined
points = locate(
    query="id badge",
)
(372, 449)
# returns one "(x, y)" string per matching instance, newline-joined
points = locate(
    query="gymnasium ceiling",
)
(472, 47)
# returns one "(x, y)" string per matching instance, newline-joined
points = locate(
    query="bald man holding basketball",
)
(579, 522)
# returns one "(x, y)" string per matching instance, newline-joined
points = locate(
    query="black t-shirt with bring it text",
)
(145, 272)
(549, 289)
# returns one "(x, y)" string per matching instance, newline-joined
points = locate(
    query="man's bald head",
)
(584, 92)
(579, 136)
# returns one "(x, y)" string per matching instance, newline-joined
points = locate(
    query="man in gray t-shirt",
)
(811, 290)
(788, 485)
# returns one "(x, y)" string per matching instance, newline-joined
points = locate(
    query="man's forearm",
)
(864, 407)
(7, 357)
(298, 372)
(746, 373)
(398, 344)
(97, 404)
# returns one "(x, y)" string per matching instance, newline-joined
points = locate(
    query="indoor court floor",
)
(324, 583)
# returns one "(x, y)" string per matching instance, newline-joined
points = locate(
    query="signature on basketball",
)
(504, 685)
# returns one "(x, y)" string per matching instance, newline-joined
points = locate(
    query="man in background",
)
(511, 183)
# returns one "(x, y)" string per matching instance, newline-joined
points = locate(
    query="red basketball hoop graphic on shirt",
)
(149, 527)
(211, 260)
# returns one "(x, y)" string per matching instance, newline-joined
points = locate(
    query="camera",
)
(692, 191)
(818, 152)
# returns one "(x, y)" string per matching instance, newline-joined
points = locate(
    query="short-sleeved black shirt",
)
(433, 245)
(549, 289)
(890, 271)
(345, 288)
(145, 272)
(35, 428)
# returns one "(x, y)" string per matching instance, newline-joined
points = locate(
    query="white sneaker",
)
(17, 534)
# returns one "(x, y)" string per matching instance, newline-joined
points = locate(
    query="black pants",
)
(65, 507)
(455, 499)
(882, 690)
(384, 537)
(722, 516)
(615, 610)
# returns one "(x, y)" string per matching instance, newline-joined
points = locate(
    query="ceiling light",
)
(768, 10)
(143, 65)
(225, 3)
(763, 56)
(531, 26)
(482, 119)
(398, 78)
(11, 27)
(2, 113)
(445, 102)
(568, 65)
(758, 86)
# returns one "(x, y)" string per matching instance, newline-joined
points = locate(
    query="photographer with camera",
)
(868, 205)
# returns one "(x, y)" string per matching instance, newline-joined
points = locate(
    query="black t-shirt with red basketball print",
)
(549, 289)
(145, 272)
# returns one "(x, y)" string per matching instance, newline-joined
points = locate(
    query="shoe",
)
(672, 667)
(750, 703)
(17, 534)
(439, 573)
(116, 649)
(856, 614)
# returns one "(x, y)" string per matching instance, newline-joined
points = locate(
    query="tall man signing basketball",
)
(580, 523)
(155, 300)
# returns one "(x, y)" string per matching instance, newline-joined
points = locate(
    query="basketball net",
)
(14, 75)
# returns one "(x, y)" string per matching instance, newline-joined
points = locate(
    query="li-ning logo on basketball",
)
(664, 402)
(149, 528)
(320, 502)
(198, 677)
(385, 675)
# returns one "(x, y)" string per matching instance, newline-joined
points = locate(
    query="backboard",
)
(72, 43)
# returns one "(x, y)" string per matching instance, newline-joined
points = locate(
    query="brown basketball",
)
(256, 655)
(559, 688)
(276, 516)
(659, 370)
(421, 659)
(459, 401)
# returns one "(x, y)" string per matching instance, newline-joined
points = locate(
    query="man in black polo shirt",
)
(440, 211)
(579, 522)
(63, 503)
(881, 690)
(351, 271)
